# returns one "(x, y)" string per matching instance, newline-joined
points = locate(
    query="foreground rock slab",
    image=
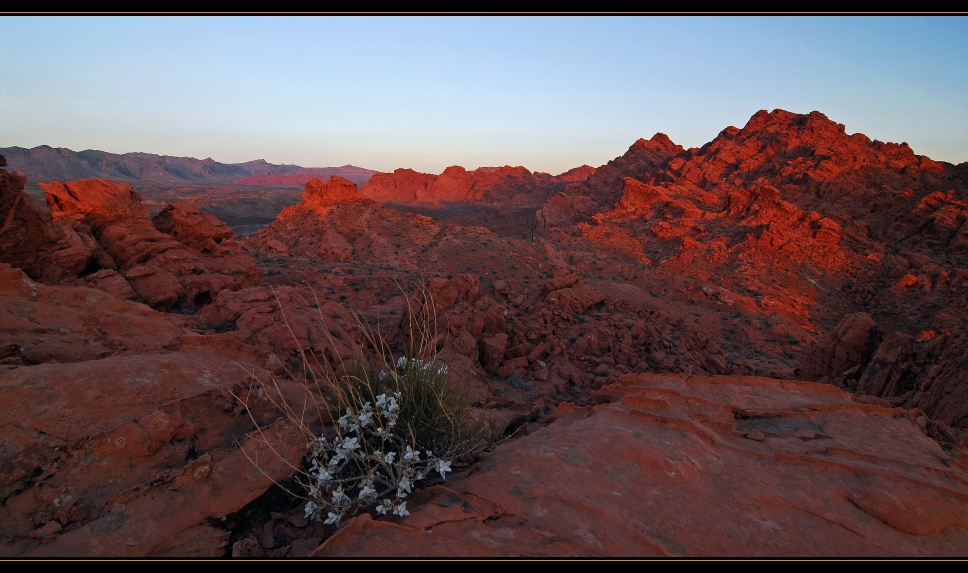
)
(134, 455)
(671, 465)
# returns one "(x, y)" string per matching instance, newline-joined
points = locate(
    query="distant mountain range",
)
(43, 164)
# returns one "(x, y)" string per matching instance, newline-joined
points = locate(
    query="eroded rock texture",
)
(670, 466)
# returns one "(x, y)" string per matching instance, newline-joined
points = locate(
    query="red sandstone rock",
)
(287, 320)
(169, 420)
(93, 383)
(163, 270)
(849, 346)
(48, 250)
(604, 188)
(191, 227)
(492, 351)
(564, 209)
(402, 186)
(738, 257)
(334, 222)
(638, 198)
(320, 196)
(487, 184)
(692, 467)
(42, 324)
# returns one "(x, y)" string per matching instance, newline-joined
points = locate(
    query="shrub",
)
(400, 421)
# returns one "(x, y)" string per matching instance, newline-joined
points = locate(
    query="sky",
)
(426, 92)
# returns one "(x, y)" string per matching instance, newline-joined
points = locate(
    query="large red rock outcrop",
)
(47, 249)
(334, 222)
(793, 148)
(321, 197)
(564, 209)
(675, 466)
(604, 187)
(134, 455)
(400, 186)
(163, 270)
(192, 227)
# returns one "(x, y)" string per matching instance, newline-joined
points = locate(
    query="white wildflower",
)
(311, 508)
(339, 496)
(411, 455)
(322, 477)
(401, 509)
(350, 444)
(333, 519)
(405, 485)
(443, 467)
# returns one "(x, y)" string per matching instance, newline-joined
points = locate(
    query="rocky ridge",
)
(43, 164)
(508, 186)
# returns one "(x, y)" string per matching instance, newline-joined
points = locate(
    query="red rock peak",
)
(325, 195)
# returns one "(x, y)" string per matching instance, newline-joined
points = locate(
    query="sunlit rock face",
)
(185, 268)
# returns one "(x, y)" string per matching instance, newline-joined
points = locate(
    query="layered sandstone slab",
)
(718, 466)
(120, 433)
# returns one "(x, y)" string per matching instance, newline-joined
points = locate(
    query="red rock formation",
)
(848, 347)
(287, 320)
(641, 199)
(191, 227)
(792, 148)
(675, 466)
(93, 383)
(785, 245)
(187, 269)
(500, 185)
(46, 249)
(91, 324)
(604, 187)
(817, 225)
(320, 196)
(576, 174)
(401, 186)
(564, 209)
(334, 222)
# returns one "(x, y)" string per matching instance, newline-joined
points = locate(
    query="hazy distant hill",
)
(44, 163)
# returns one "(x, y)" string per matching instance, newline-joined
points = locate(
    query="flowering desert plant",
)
(399, 420)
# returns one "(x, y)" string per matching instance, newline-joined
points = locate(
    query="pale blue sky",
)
(546, 92)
